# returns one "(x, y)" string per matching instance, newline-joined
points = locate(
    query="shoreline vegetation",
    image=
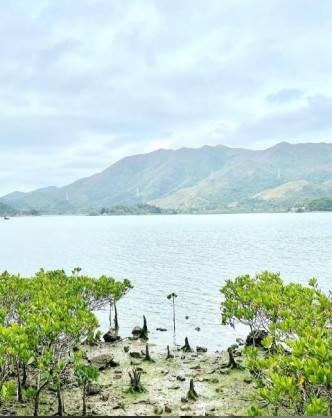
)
(52, 360)
(317, 205)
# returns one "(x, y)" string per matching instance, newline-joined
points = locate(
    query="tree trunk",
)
(116, 323)
(19, 385)
(25, 376)
(84, 404)
(110, 316)
(60, 404)
(36, 404)
(173, 315)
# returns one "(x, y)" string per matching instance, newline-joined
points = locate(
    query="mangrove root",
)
(144, 332)
(169, 355)
(147, 354)
(192, 394)
(186, 348)
(232, 364)
(135, 381)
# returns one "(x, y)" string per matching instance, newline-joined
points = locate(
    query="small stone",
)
(211, 409)
(201, 349)
(185, 408)
(161, 329)
(137, 331)
(111, 336)
(168, 409)
(247, 380)
(187, 317)
(175, 387)
(105, 397)
(93, 389)
(214, 381)
(158, 410)
(256, 337)
(103, 361)
(117, 376)
(180, 378)
(135, 354)
(197, 329)
(118, 371)
(225, 371)
(184, 399)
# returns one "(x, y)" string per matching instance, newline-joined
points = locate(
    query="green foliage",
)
(322, 204)
(6, 210)
(42, 319)
(139, 209)
(294, 376)
(85, 374)
(7, 391)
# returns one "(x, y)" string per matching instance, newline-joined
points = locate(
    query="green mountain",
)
(269, 179)
(208, 178)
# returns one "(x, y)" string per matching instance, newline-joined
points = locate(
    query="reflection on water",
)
(189, 255)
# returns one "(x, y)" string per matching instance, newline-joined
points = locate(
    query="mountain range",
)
(211, 178)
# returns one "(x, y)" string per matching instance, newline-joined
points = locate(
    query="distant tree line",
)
(138, 209)
(322, 204)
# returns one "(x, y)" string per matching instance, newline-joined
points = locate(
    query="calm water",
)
(189, 255)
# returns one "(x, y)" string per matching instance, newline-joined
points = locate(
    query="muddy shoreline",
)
(220, 391)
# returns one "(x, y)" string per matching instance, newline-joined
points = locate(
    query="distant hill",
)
(204, 179)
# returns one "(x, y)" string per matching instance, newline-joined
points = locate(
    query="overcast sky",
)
(84, 83)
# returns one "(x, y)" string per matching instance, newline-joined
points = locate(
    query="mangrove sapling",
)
(192, 394)
(7, 392)
(173, 296)
(85, 375)
(186, 348)
(135, 381)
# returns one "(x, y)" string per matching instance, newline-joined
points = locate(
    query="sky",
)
(84, 83)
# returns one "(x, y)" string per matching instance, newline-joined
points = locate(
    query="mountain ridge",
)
(205, 178)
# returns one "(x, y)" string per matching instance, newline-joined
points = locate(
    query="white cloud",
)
(86, 83)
